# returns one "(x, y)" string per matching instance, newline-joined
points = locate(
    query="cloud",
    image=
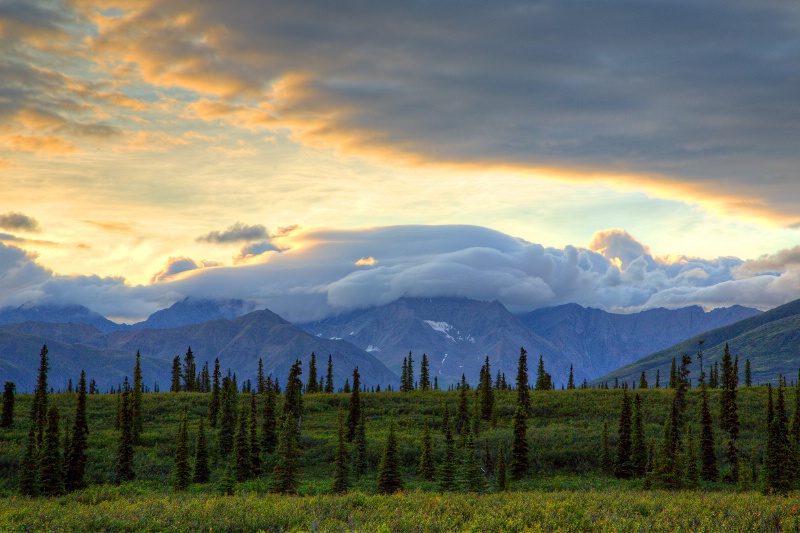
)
(618, 244)
(238, 232)
(19, 222)
(695, 100)
(179, 265)
(253, 250)
(772, 263)
(367, 261)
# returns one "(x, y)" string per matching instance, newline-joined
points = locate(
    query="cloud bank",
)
(324, 273)
(18, 222)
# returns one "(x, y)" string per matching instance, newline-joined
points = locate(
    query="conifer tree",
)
(447, 468)
(175, 384)
(571, 380)
(426, 467)
(543, 379)
(354, 413)
(228, 482)
(75, 460)
(409, 384)
(389, 478)
(329, 376)
(29, 468)
(254, 443)
(7, 419)
(623, 467)
(748, 376)
(666, 472)
(486, 394)
(125, 449)
(51, 474)
(708, 454)
(794, 429)
(312, 384)
(214, 401)
(462, 415)
(501, 481)
(202, 473)
(732, 457)
(229, 410)
(136, 400)
(673, 375)
(118, 410)
(269, 424)
(690, 469)
(658, 378)
(341, 482)
(293, 401)
(360, 447)
(205, 379)
(643, 381)
(488, 461)
(519, 448)
(242, 459)
(469, 477)
(606, 462)
(777, 479)
(260, 380)
(424, 374)
(728, 415)
(346, 388)
(285, 474)
(182, 471)
(638, 444)
(523, 397)
(39, 405)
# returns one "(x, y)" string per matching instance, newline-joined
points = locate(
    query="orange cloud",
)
(47, 144)
(366, 261)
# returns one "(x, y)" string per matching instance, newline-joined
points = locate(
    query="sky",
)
(319, 157)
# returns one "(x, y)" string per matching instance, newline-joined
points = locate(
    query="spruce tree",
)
(571, 380)
(7, 419)
(623, 467)
(732, 457)
(39, 405)
(214, 401)
(658, 378)
(424, 374)
(254, 442)
(341, 482)
(229, 410)
(501, 481)
(543, 380)
(447, 469)
(409, 384)
(260, 380)
(523, 397)
(175, 383)
(389, 478)
(28, 477)
(136, 400)
(462, 415)
(673, 375)
(242, 459)
(691, 472)
(727, 408)
(189, 372)
(666, 469)
(269, 424)
(329, 376)
(354, 413)
(360, 459)
(202, 473)
(312, 384)
(51, 473)
(292, 399)
(205, 379)
(486, 393)
(469, 477)
(519, 448)
(426, 466)
(488, 460)
(638, 444)
(286, 472)
(124, 470)
(708, 454)
(748, 376)
(404, 375)
(643, 381)
(75, 460)
(182, 470)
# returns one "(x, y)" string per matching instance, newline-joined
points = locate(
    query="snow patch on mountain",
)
(442, 327)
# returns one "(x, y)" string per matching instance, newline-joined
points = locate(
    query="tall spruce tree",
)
(390, 480)
(136, 399)
(543, 379)
(469, 477)
(329, 376)
(360, 459)
(520, 461)
(28, 478)
(643, 381)
(75, 461)
(287, 470)
(260, 379)
(424, 373)
(269, 422)
(777, 462)
(409, 384)
(51, 473)
(728, 410)
(341, 474)
(748, 375)
(426, 466)
(638, 444)
(292, 399)
(447, 468)
(486, 393)
(182, 470)
(39, 405)
(463, 413)
(189, 372)
(354, 413)
(523, 397)
(242, 459)
(623, 467)
(124, 470)
(202, 473)
(571, 380)
(691, 473)
(254, 442)
(229, 410)
(658, 378)
(673, 375)
(708, 454)
(7, 419)
(214, 401)
(312, 385)
(175, 383)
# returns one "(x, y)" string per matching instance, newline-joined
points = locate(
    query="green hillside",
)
(771, 341)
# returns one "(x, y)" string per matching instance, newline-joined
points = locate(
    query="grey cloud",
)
(237, 232)
(19, 222)
(771, 263)
(249, 251)
(699, 93)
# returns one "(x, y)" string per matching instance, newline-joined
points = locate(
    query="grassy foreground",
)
(104, 509)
